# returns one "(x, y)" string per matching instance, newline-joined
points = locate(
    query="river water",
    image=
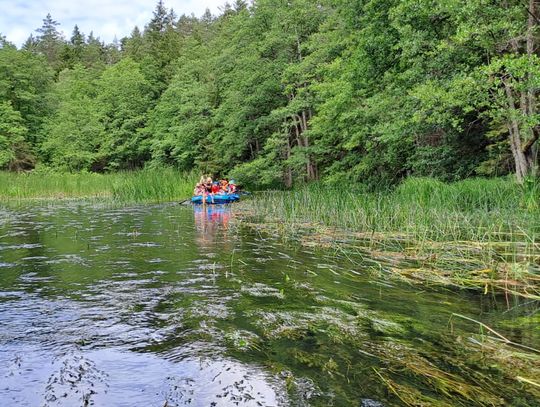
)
(168, 305)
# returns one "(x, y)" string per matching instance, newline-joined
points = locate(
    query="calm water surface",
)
(170, 306)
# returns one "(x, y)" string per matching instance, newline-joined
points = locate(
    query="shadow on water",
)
(167, 305)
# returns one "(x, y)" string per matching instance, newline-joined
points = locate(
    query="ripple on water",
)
(32, 258)
(6, 265)
(126, 332)
(34, 278)
(262, 290)
(11, 295)
(68, 258)
(144, 244)
(156, 260)
(21, 246)
(14, 234)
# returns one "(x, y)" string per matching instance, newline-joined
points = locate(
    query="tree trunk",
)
(310, 166)
(288, 170)
(521, 162)
(523, 138)
(530, 149)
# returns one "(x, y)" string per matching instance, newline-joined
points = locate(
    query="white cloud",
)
(105, 18)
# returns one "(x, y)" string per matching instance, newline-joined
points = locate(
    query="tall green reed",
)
(154, 185)
(473, 209)
(158, 185)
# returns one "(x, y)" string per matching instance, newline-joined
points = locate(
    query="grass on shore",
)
(139, 186)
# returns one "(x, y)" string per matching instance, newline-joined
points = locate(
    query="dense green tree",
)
(25, 80)
(181, 119)
(14, 151)
(123, 99)
(75, 130)
(279, 92)
(162, 45)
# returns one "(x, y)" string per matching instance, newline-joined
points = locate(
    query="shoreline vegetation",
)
(481, 234)
(163, 185)
(476, 234)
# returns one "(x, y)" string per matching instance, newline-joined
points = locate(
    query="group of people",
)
(206, 186)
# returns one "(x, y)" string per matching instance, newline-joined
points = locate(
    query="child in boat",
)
(215, 187)
(208, 185)
(224, 186)
(232, 187)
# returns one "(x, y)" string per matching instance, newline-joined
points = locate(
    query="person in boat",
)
(215, 188)
(208, 185)
(224, 186)
(232, 187)
(199, 189)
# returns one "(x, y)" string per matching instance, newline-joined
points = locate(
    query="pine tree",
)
(161, 19)
(50, 42)
(77, 38)
(133, 46)
(94, 53)
(30, 44)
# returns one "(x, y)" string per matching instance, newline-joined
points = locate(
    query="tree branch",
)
(531, 141)
(531, 13)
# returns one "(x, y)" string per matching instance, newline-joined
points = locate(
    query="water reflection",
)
(212, 222)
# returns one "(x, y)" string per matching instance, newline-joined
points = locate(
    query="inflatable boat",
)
(215, 199)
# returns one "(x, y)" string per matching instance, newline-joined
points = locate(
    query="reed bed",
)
(138, 186)
(53, 185)
(165, 185)
(477, 233)
(475, 209)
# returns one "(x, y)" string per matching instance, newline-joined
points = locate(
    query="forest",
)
(279, 93)
(384, 249)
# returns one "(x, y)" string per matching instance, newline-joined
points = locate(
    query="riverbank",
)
(481, 234)
(162, 185)
(477, 234)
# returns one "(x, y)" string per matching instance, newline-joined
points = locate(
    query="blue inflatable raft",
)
(216, 199)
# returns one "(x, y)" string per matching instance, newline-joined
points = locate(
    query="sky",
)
(106, 18)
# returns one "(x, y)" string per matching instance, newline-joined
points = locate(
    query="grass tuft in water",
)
(163, 185)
